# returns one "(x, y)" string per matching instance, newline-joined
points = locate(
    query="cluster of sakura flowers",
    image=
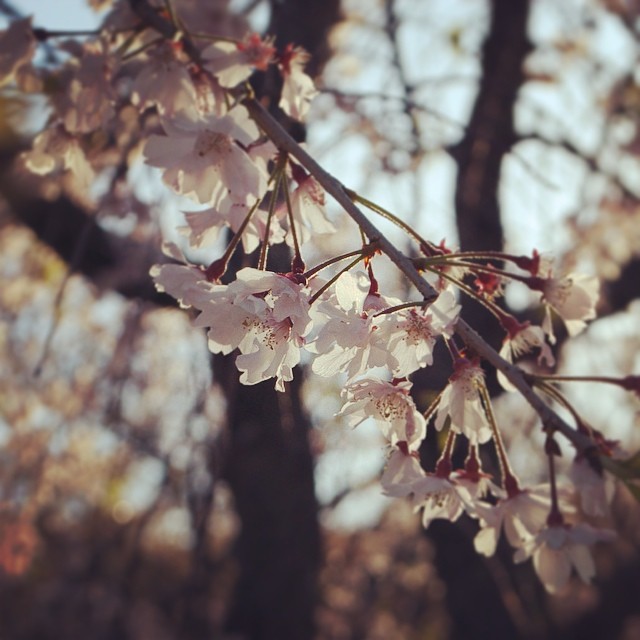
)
(211, 151)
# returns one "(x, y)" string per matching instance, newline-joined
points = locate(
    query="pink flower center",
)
(391, 406)
(209, 142)
(418, 329)
(258, 52)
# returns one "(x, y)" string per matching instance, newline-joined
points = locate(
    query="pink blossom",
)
(55, 150)
(348, 340)
(17, 46)
(308, 207)
(86, 98)
(573, 297)
(266, 316)
(558, 549)
(520, 339)
(440, 498)
(164, 82)
(233, 62)
(410, 334)
(184, 283)
(389, 404)
(203, 227)
(402, 473)
(594, 489)
(298, 89)
(460, 401)
(202, 158)
(521, 516)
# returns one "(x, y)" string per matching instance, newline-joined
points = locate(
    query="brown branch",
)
(475, 342)
(550, 419)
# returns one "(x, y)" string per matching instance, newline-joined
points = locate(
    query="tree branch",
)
(550, 419)
(334, 187)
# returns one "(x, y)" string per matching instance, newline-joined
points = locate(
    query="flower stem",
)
(509, 479)
(554, 393)
(443, 466)
(431, 409)
(367, 250)
(42, 34)
(322, 289)
(496, 311)
(555, 516)
(139, 50)
(381, 211)
(405, 305)
(217, 268)
(264, 249)
(292, 224)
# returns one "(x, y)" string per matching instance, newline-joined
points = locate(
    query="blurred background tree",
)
(144, 493)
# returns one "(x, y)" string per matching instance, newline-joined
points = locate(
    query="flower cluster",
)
(194, 123)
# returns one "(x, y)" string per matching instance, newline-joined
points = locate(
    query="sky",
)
(58, 14)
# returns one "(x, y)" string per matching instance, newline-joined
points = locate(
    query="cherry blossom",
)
(202, 158)
(520, 515)
(165, 82)
(266, 316)
(573, 297)
(440, 498)
(298, 89)
(55, 150)
(185, 284)
(203, 227)
(558, 549)
(410, 334)
(595, 490)
(389, 404)
(522, 338)
(348, 340)
(460, 401)
(308, 206)
(233, 62)
(17, 46)
(477, 484)
(86, 98)
(402, 473)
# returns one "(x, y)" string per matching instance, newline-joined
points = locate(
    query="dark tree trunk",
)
(490, 135)
(270, 470)
(491, 130)
(269, 464)
(474, 601)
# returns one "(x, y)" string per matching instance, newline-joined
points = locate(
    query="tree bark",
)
(472, 595)
(491, 130)
(270, 465)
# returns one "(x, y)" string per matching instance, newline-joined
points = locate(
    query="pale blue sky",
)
(58, 14)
